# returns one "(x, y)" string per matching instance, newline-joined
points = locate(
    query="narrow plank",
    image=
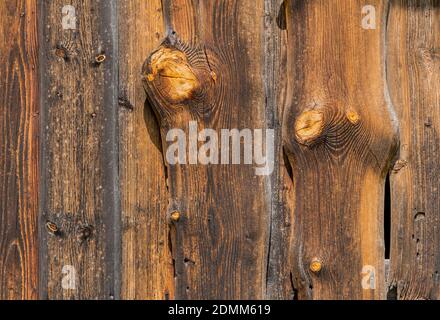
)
(147, 266)
(219, 214)
(19, 145)
(79, 196)
(414, 82)
(340, 137)
(278, 282)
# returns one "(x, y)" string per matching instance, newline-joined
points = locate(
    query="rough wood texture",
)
(19, 149)
(79, 197)
(147, 266)
(278, 281)
(414, 81)
(210, 70)
(339, 136)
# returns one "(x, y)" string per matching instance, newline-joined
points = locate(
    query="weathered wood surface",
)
(214, 54)
(339, 135)
(307, 69)
(147, 266)
(19, 149)
(279, 272)
(414, 82)
(80, 152)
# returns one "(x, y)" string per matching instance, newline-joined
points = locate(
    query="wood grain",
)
(220, 239)
(79, 199)
(414, 81)
(19, 155)
(279, 276)
(147, 266)
(340, 136)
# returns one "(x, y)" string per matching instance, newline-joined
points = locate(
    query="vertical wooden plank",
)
(279, 283)
(414, 81)
(79, 199)
(340, 136)
(19, 149)
(147, 266)
(212, 73)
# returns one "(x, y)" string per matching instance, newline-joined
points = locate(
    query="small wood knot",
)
(428, 123)
(52, 227)
(419, 216)
(84, 233)
(62, 53)
(309, 126)
(400, 164)
(315, 265)
(100, 58)
(353, 116)
(175, 216)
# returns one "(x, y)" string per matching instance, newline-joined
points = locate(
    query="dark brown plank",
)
(414, 82)
(19, 145)
(211, 72)
(79, 199)
(278, 281)
(340, 137)
(147, 266)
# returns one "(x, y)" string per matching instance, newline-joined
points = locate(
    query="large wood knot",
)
(180, 74)
(309, 126)
(172, 73)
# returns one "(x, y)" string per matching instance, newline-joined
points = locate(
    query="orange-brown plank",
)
(219, 242)
(147, 266)
(19, 149)
(340, 137)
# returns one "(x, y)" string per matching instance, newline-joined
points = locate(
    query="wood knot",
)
(52, 227)
(175, 216)
(400, 164)
(172, 74)
(100, 58)
(309, 126)
(353, 116)
(84, 233)
(316, 265)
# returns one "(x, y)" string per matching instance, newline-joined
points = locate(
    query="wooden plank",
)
(278, 282)
(147, 266)
(218, 213)
(19, 145)
(79, 199)
(339, 136)
(414, 82)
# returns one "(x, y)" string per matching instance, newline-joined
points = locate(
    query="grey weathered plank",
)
(413, 64)
(79, 206)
